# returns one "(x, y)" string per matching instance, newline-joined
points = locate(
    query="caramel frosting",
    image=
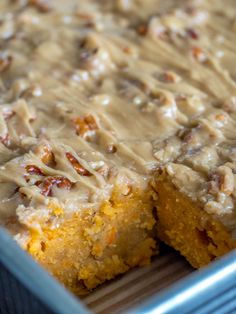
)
(105, 93)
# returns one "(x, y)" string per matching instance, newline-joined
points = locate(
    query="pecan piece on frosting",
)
(192, 33)
(46, 155)
(47, 184)
(222, 180)
(42, 6)
(226, 179)
(170, 77)
(85, 124)
(77, 166)
(111, 149)
(34, 170)
(142, 30)
(5, 63)
(198, 54)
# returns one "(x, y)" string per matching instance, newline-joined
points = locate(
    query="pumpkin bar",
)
(116, 129)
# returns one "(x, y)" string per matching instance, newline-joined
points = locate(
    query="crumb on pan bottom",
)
(95, 246)
(184, 226)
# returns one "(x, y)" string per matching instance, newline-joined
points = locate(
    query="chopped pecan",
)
(111, 149)
(198, 54)
(192, 33)
(5, 63)
(27, 179)
(127, 50)
(220, 117)
(34, 170)
(142, 30)
(47, 185)
(63, 183)
(42, 6)
(85, 124)
(169, 77)
(77, 166)
(226, 179)
(46, 155)
(222, 181)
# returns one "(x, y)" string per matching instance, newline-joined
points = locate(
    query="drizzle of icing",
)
(106, 93)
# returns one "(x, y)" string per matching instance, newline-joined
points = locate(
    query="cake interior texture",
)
(183, 225)
(92, 247)
(117, 131)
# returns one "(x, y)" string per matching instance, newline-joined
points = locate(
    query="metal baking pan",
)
(26, 288)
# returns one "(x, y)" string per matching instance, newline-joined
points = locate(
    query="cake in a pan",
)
(117, 128)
